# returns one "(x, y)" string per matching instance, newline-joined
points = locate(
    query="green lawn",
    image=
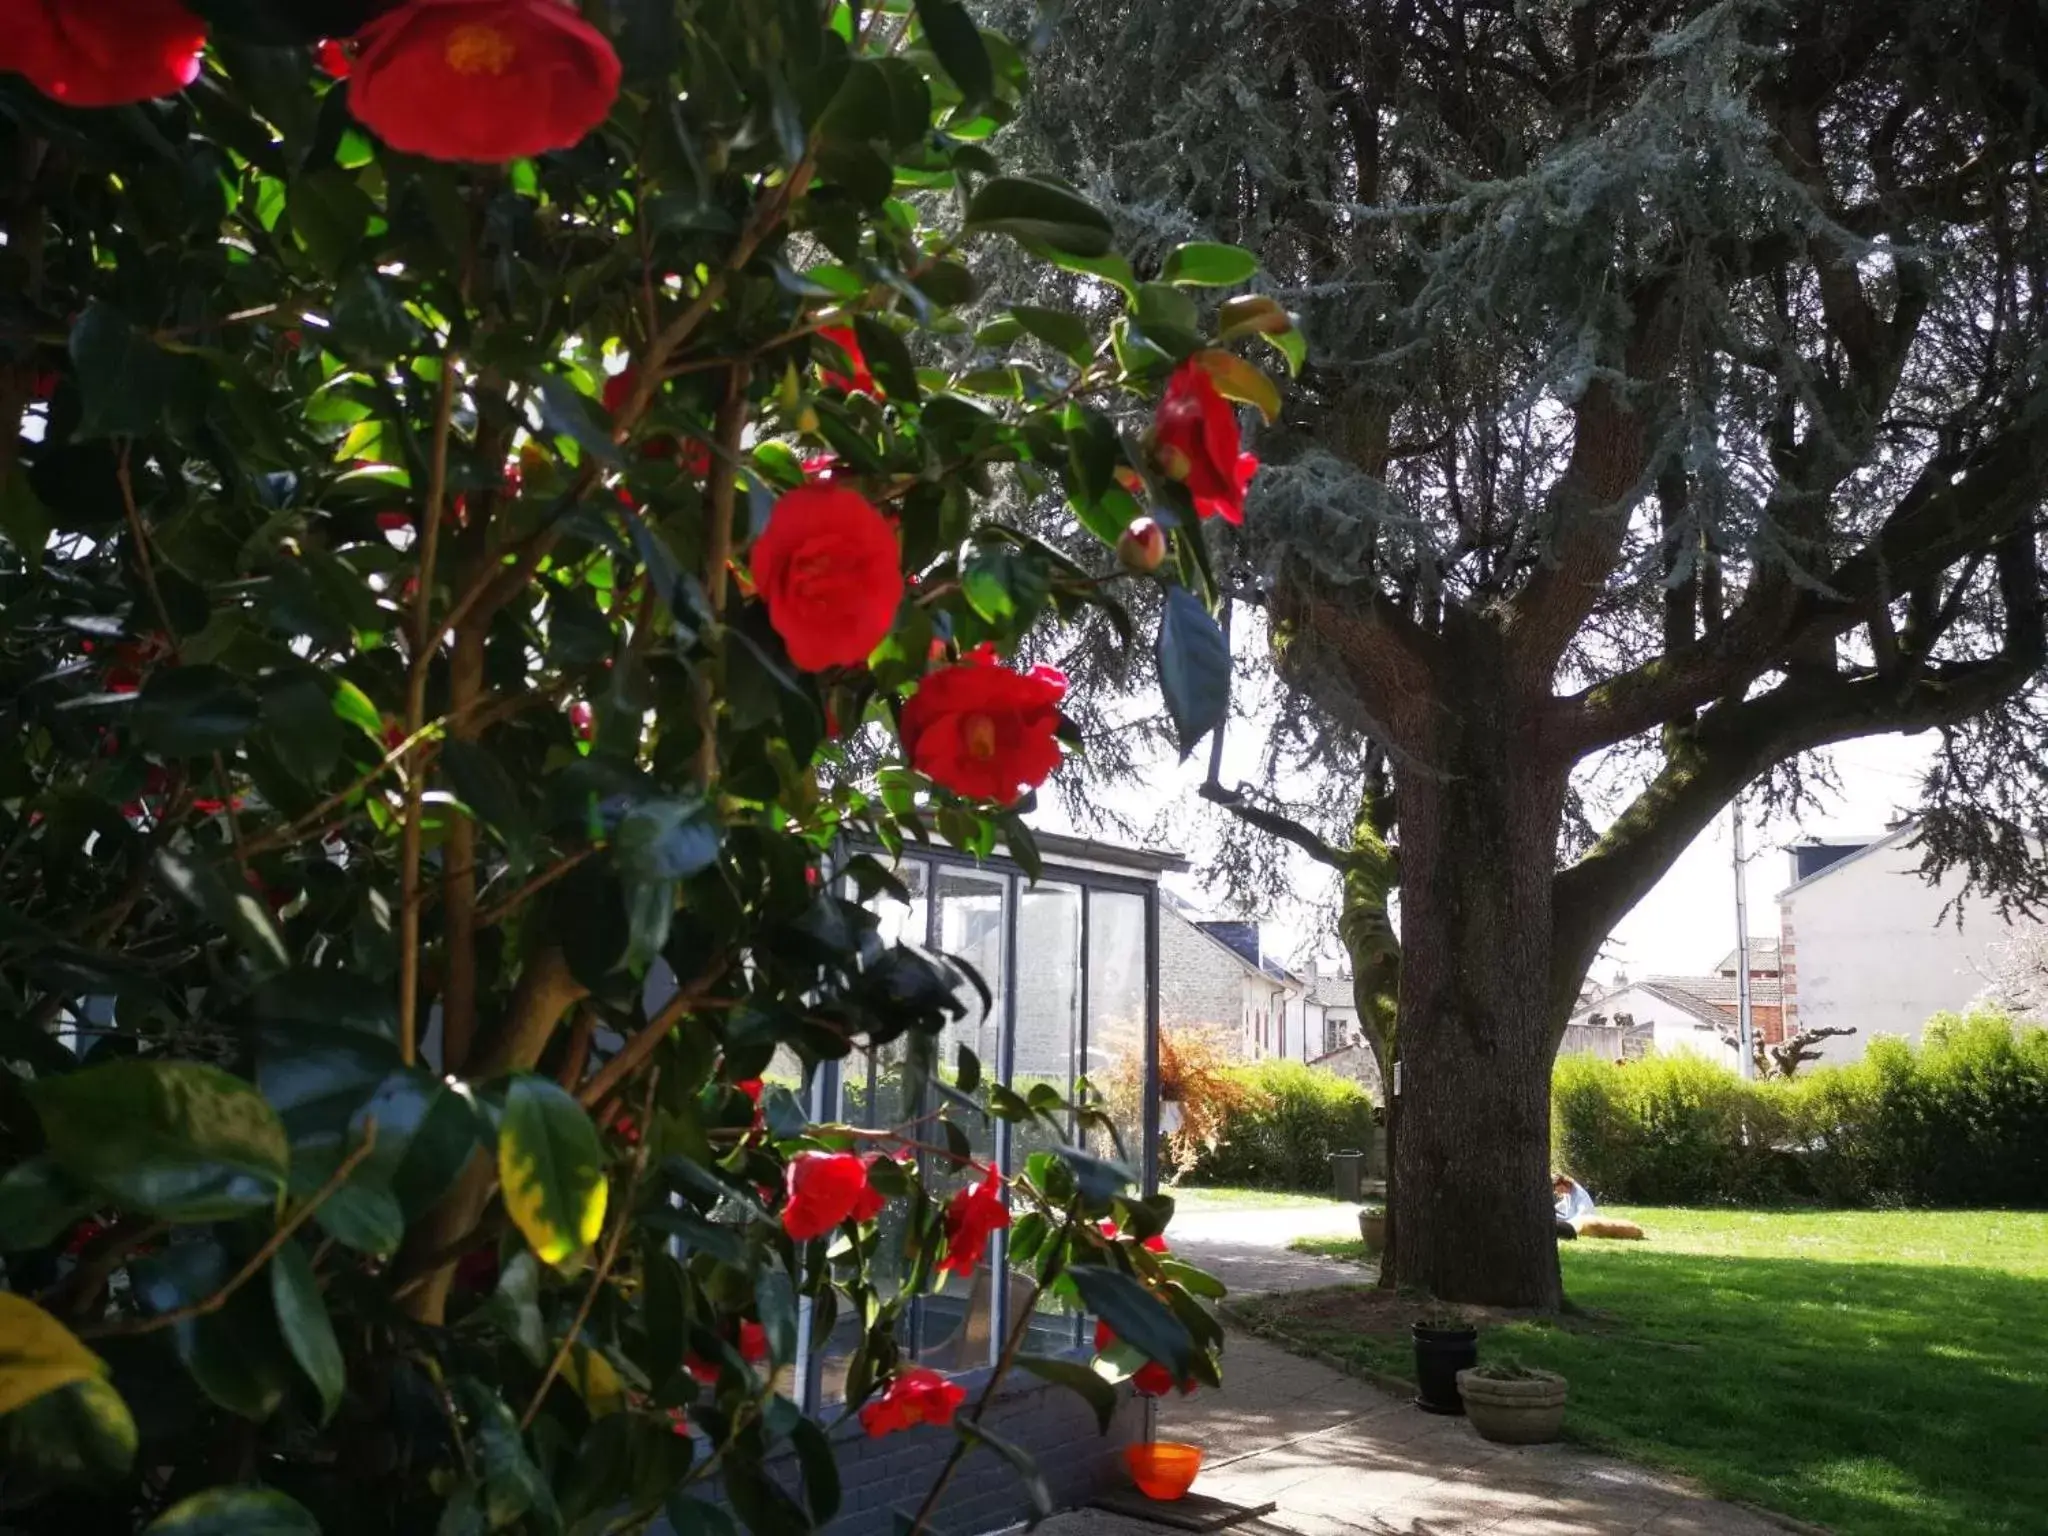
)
(1881, 1372)
(1226, 1198)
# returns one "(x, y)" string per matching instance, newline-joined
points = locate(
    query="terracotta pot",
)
(1525, 1412)
(1372, 1231)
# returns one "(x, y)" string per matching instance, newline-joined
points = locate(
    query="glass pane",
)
(1115, 1063)
(871, 1093)
(959, 1320)
(1048, 1004)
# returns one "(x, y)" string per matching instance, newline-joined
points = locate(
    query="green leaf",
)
(700, 1517)
(820, 1471)
(1252, 314)
(330, 214)
(353, 706)
(888, 358)
(24, 521)
(370, 323)
(302, 727)
(1138, 1318)
(1020, 1460)
(38, 1354)
(1077, 1377)
(1099, 1180)
(668, 839)
(39, 1202)
(961, 53)
(1194, 668)
(81, 1434)
(234, 1353)
(194, 711)
(308, 1330)
(483, 785)
(552, 1168)
(237, 910)
(235, 1512)
(175, 1139)
(1291, 345)
(124, 376)
(1236, 379)
(514, 1307)
(1203, 264)
(1064, 333)
(512, 1484)
(1041, 213)
(1111, 268)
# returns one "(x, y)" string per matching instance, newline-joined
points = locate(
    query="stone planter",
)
(1372, 1231)
(1527, 1411)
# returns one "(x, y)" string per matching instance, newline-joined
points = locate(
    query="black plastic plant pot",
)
(1440, 1353)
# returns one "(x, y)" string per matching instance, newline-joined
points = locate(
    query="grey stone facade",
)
(1201, 983)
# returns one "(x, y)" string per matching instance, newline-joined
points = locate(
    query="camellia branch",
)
(1004, 1362)
(286, 1231)
(730, 425)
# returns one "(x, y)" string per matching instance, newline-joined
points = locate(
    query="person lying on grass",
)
(1577, 1214)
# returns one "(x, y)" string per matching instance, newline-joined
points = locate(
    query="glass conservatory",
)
(1072, 963)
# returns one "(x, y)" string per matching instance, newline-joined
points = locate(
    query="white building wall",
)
(1866, 947)
(1672, 1029)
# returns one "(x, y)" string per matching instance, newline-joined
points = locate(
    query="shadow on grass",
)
(1869, 1396)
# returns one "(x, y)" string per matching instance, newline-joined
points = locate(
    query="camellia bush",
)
(499, 541)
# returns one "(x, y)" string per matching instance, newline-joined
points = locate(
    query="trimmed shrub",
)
(1281, 1135)
(1961, 1121)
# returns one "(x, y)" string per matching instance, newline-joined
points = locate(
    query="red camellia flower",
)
(829, 567)
(333, 59)
(918, 1395)
(1156, 1243)
(1198, 444)
(872, 1201)
(984, 730)
(102, 53)
(842, 337)
(489, 80)
(971, 1216)
(753, 1342)
(824, 1189)
(1150, 1379)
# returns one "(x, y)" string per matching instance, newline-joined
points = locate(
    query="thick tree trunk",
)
(1479, 823)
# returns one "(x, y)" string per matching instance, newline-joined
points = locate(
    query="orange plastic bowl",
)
(1164, 1469)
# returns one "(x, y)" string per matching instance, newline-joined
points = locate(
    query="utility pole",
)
(1745, 1029)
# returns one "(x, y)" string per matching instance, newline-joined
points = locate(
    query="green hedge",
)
(1962, 1121)
(1299, 1115)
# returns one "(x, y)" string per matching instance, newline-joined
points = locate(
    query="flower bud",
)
(1142, 549)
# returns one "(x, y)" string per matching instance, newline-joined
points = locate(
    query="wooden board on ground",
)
(1195, 1512)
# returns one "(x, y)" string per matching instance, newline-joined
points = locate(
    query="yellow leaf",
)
(38, 1354)
(1236, 379)
(552, 1169)
(595, 1381)
(1254, 312)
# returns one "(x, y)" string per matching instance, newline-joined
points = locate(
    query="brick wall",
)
(1078, 1462)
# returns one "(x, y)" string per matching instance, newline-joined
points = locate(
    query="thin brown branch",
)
(1004, 1363)
(144, 561)
(286, 1231)
(620, 1222)
(729, 427)
(506, 905)
(411, 842)
(634, 1053)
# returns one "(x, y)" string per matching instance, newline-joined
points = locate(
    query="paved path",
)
(1247, 1250)
(1342, 1458)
